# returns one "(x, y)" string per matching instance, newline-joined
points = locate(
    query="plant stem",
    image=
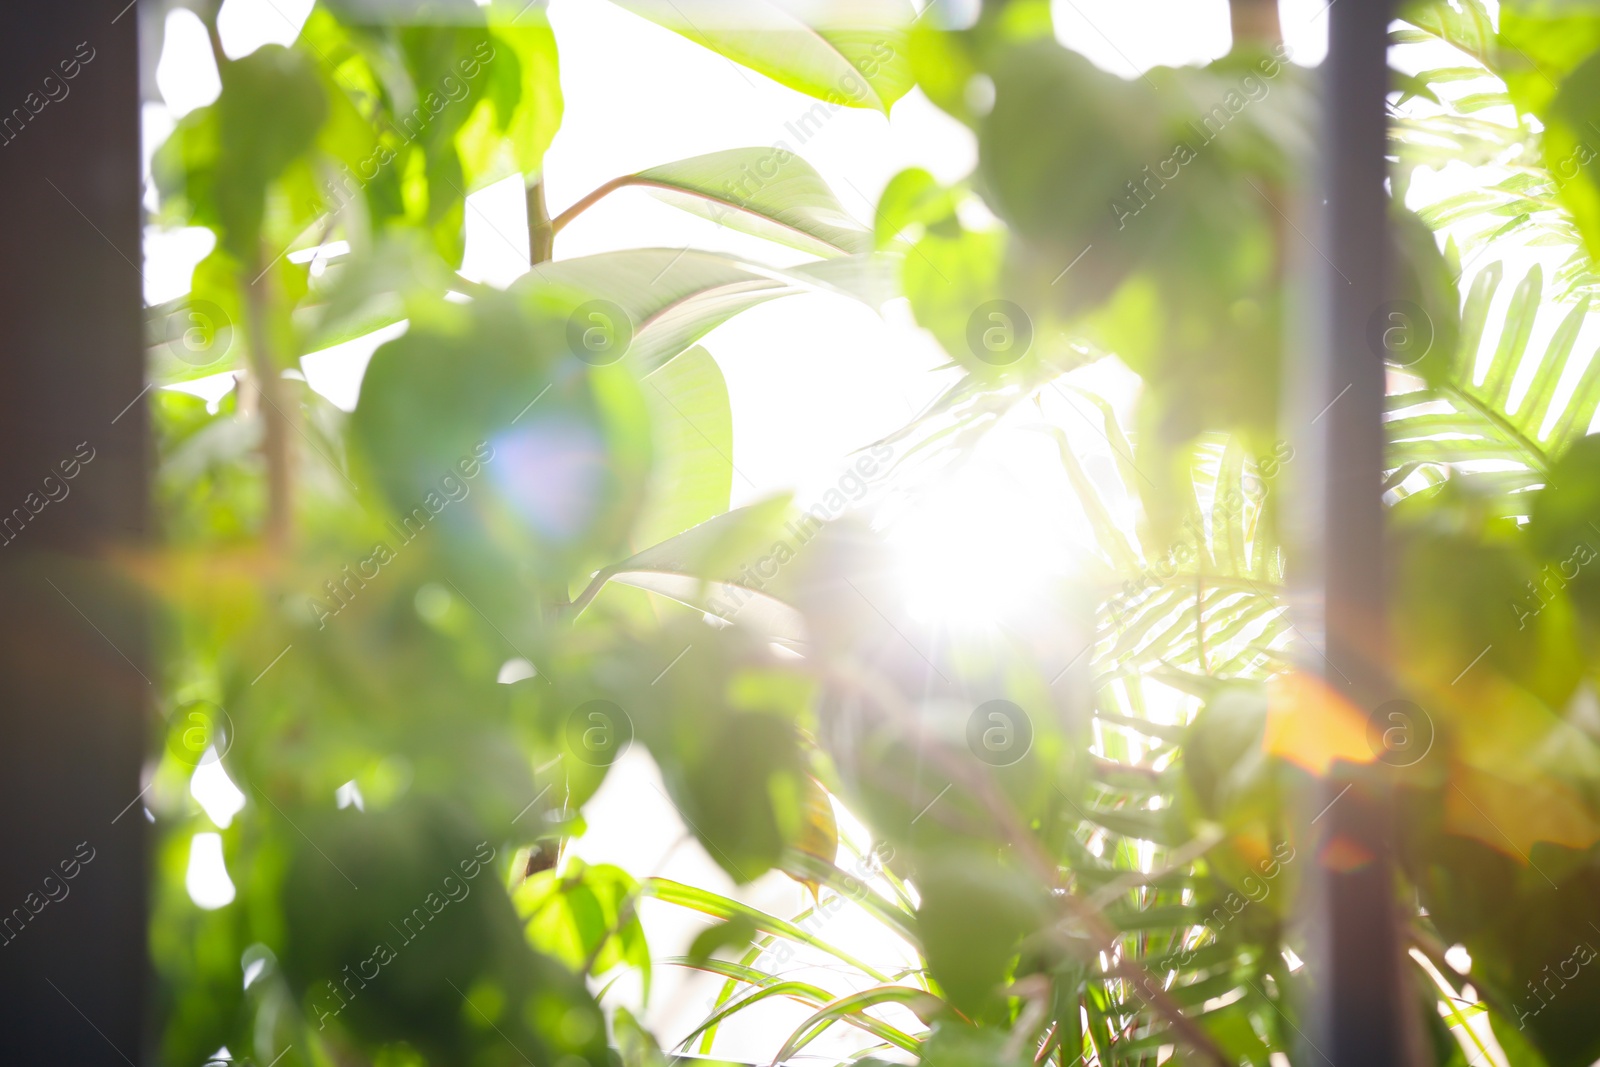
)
(541, 233)
(1255, 22)
(275, 421)
(589, 201)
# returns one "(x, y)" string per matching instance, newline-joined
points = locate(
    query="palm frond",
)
(1462, 423)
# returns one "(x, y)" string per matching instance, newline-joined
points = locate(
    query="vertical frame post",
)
(75, 684)
(1359, 1009)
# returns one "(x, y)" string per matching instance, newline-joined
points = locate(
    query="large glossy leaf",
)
(705, 567)
(770, 192)
(693, 474)
(673, 297)
(849, 53)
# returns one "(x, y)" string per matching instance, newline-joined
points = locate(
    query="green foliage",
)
(846, 53)
(227, 155)
(770, 192)
(535, 486)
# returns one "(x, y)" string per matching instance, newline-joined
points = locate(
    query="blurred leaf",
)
(498, 140)
(736, 932)
(852, 1008)
(585, 917)
(819, 872)
(912, 197)
(223, 157)
(743, 795)
(1479, 422)
(847, 54)
(975, 911)
(370, 960)
(1543, 43)
(770, 192)
(672, 298)
(1569, 136)
(721, 907)
(702, 567)
(693, 445)
(484, 418)
(636, 1045)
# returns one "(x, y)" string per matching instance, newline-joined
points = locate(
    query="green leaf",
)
(912, 197)
(1536, 401)
(636, 1045)
(1542, 43)
(737, 932)
(585, 916)
(954, 1043)
(849, 53)
(804, 992)
(852, 1007)
(1456, 421)
(948, 277)
(720, 907)
(975, 911)
(500, 137)
(428, 910)
(742, 796)
(1513, 338)
(770, 192)
(1158, 826)
(1469, 29)
(1106, 531)
(1569, 140)
(222, 158)
(701, 567)
(455, 417)
(693, 474)
(673, 297)
(203, 333)
(853, 889)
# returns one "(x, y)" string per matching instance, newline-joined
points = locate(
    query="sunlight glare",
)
(207, 879)
(978, 545)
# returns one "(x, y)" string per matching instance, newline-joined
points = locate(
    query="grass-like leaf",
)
(720, 907)
(852, 1009)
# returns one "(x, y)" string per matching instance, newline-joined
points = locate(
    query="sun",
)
(975, 546)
